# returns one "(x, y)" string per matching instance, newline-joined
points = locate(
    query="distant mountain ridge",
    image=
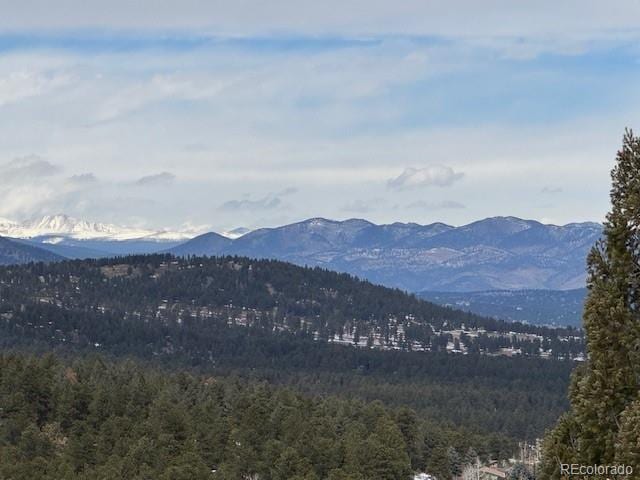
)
(15, 252)
(71, 237)
(498, 253)
(60, 226)
(538, 307)
(203, 245)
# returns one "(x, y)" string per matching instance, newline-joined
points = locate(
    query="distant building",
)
(492, 473)
(423, 476)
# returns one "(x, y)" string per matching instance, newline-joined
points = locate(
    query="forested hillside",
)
(267, 320)
(271, 295)
(96, 420)
(539, 307)
(14, 251)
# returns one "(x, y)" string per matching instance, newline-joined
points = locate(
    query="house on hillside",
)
(492, 473)
(487, 472)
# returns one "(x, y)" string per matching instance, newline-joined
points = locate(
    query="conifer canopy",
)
(603, 424)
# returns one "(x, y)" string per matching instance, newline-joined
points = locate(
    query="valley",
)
(317, 331)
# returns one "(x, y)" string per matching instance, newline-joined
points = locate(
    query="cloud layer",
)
(355, 17)
(166, 119)
(163, 178)
(431, 176)
(27, 168)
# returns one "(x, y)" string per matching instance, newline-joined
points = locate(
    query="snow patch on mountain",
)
(63, 226)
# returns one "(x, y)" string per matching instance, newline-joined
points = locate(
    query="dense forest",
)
(224, 316)
(96, 420)
(265, 293)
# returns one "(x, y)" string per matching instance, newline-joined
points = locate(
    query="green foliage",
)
(628, 442)
(602, 426)
(263, 293)
(219, 316)
(256, 431)
(560, 446)
(520, 472)
(455, 462)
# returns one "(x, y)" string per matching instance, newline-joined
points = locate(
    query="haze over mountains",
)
(546, 307)
(14, 252)
(499, 253)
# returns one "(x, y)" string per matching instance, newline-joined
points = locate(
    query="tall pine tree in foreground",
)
(603, 425)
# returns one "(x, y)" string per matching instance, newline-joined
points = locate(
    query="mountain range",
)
(64, 226)
(498, 253)
(541, 307)
(77, 238)
(15, 252)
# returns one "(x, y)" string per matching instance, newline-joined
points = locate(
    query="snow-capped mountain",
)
(6, 224)
(499, 253)
(60, 227)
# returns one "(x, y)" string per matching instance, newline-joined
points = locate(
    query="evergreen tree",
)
(520, 472)
(386, 457)
(408, 424)
(598, 423)
(628, 444)
(455, 462)
(471, 457)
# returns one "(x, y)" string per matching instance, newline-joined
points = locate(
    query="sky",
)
(219, 114)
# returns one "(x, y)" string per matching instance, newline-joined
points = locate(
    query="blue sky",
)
(257, 117)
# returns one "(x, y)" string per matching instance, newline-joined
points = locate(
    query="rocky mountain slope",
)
(500, 253)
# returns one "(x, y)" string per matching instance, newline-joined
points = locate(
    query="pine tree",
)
(407, 421)
(455, 462)
(608, 384)
(628, 444)
(520, 472)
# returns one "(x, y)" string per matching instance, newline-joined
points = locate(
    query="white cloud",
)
(287, 191)
(434, 175)
(159, 88)
(26, 168)
(271, 201)
(265, 203)
(26, 185)
(19, 85)
(163, 178)
(330, 120)
(83, 179)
